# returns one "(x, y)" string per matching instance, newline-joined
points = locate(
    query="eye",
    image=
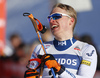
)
(57, 17)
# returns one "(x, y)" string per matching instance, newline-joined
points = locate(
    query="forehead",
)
(58, 10)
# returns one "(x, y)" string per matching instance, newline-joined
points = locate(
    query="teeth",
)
(54, 26)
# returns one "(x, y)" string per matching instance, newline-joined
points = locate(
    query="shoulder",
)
(39, 49)
(45, 44)
(36, 51)
(85, 47)
(80, 45)
(88, 50)
(48, 44)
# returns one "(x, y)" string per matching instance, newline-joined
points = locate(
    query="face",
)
(61, 25)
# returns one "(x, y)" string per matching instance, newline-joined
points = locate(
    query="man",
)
(70, 58)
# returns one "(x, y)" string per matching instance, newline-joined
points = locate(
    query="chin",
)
(55, 33)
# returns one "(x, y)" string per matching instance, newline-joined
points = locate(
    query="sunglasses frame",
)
(61, 14)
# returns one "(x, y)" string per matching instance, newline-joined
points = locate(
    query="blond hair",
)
(70, 11)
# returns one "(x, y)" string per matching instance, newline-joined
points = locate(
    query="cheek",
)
(64, 21)
(64, 24)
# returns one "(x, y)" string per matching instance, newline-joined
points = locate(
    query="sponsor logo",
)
(69, 61)
(62, 43)
(90, 54)
(47, 46)
(77, 48)
(86, 62)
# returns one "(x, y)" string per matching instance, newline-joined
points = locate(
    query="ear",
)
(71, 21)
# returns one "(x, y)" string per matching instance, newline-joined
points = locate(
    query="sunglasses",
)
(56, 16)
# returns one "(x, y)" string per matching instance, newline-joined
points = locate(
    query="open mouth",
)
(54, 26)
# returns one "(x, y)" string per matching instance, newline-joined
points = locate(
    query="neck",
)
(63, 37)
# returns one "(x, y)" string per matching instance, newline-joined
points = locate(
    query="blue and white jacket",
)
(79, 58)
